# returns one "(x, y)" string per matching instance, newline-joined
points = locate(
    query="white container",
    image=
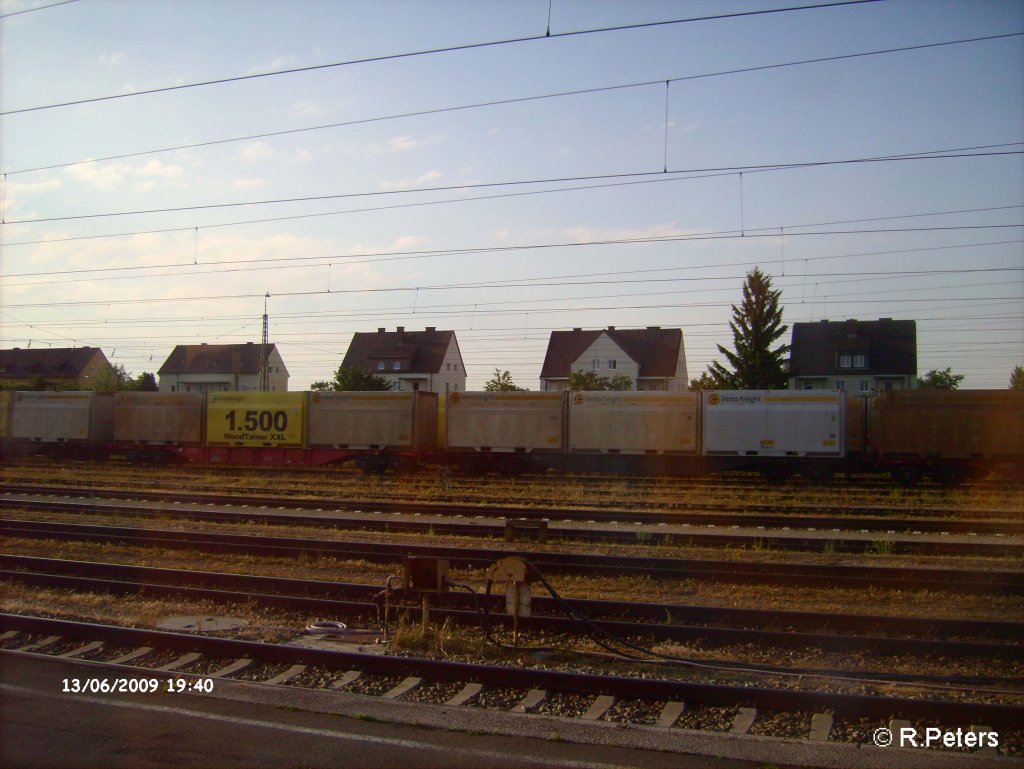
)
(634, 422)
(159, 418)
(57, 417)
(370, 420)
(773, 423)
(505, 421)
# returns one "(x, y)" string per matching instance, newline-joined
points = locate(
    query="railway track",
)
(892, 635)
(530, 687)
(604, 496)
(898, 578)
(41, 496)
(813, 539)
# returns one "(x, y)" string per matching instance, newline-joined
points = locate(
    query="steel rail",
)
(958, 580)
(295, 595)
(840, 518)
(793, 700)
(795, 542)
(663, 613)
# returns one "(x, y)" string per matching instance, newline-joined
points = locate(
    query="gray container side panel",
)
(5, 415)
(777, 424)
(640, 423)
(159, 418)
(507, 422)
(361, 420)
(52, 417)
(101, 427)
(425, 436)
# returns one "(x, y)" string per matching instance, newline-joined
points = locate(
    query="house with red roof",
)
(653, 358)
(51, 368)
(428, 360)
(858, 356)
(200, 368)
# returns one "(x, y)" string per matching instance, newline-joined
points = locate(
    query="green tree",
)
(354, 378)
(502, 382)
(590, 381)
(707, 381)
(1017, 379)
(619, 382)
(111, 378)
(756, 325)
(940, 380)
(146, 382)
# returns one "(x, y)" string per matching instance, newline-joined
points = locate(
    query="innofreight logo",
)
(714, 399)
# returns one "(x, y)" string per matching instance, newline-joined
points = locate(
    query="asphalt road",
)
(41, 725)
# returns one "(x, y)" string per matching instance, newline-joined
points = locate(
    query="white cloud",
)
(110, 59)
(107, 176)
(275, 63)
(12, 203)
(411, 182)
(398, 144)
(583, 234)
(255, 152)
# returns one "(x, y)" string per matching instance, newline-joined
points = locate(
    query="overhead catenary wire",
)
(436, 51)
(765, 167)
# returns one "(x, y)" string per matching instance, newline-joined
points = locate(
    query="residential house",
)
(427, 360)
(857, 356)
(200, 368)
(653, 357)
(53, 368)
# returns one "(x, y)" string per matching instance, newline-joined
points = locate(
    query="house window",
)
(845, 361)
(860, 361)
(612, 364)
(865, 385)
(396, 365)
(841, 385)
(808, 385)
(380, 365)
(597, 364)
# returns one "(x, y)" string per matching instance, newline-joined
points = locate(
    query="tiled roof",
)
(656, 350)
(424, 350)
(64, 362)
(890, 346)
(214, 359)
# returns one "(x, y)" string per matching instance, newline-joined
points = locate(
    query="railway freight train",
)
(912, 434)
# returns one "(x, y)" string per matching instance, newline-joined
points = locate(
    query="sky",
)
(508, 168)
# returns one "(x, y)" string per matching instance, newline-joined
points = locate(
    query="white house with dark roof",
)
(653, 358)
(200, 368)
(428, 360)
(857, 356)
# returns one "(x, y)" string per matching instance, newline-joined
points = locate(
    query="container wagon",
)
(776, 432)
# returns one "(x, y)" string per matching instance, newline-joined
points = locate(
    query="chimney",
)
(401, 329)
(431, 328)
(611, 328)
(654, 328)
(578, 328)
(380, 330)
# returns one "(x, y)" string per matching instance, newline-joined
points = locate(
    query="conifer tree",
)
(756, 325)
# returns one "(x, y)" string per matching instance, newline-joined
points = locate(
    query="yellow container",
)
(256, 419)
(5, 410)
